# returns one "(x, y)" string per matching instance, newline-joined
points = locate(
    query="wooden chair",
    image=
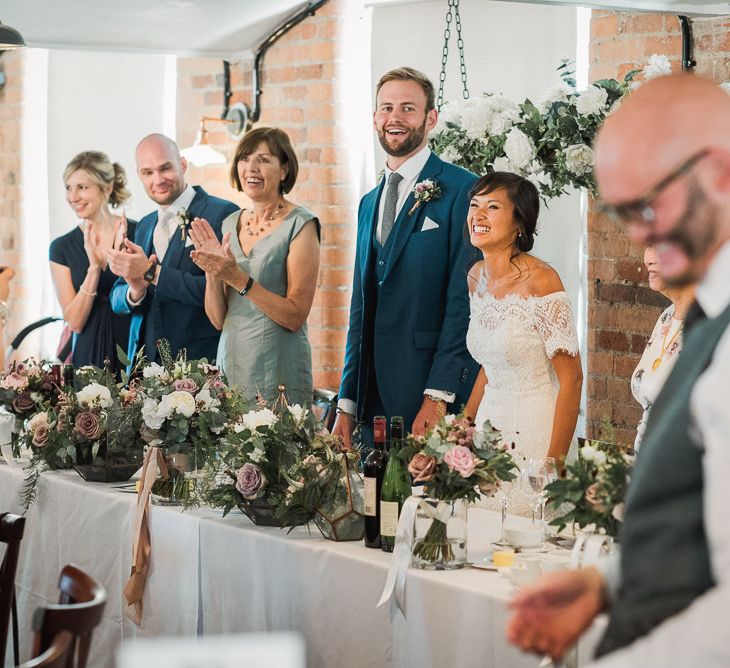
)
(11, 533)
(58, 655)
(79, 611)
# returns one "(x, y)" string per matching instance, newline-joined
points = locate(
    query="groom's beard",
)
(413, 139)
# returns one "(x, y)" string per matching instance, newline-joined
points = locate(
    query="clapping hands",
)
(213, 257)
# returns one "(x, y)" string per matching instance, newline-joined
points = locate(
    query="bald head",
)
(160, 168)
(656, 128)
(673, 131)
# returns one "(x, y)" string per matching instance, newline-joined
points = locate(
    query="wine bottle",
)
(396, 487)
(374, 469)
(68, 376)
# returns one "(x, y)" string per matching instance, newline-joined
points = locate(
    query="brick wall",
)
(299, 96)
(11, 101)
(622, 309)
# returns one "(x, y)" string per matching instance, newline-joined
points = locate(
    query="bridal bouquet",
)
(455, 461)
(594, 488)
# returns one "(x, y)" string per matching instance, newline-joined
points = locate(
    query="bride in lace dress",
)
(521, 329)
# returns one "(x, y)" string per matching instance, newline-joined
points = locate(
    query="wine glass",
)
(505, 493)
(533, 480)
(551, 469)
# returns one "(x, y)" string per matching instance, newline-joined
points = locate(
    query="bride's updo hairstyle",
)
(525, 200)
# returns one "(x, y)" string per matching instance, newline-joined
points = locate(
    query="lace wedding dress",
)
(513, 339)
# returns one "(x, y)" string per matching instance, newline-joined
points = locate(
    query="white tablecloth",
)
(218, 575)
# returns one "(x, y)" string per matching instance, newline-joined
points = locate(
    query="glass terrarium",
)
(340, 515)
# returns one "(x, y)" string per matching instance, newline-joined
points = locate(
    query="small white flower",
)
(560, 92)
(95, 394)
(180, 402)
(257, 455)
(658, 66)
(599, 459)
(150, 414)
(588, 452)
(579, 159)
(206, 401)
(263, 418)
(450, 154)
(153, 370)
(519, 149)
(298, 412)
(591, 101)
(36, 396)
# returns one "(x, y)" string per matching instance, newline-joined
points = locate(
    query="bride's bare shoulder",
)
(544, 280)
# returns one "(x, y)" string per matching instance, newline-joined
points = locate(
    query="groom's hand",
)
(343, 427)
(432, 410)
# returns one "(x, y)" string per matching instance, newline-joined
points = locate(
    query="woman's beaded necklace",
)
(254, 229)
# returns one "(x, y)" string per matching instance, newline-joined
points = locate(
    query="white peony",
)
(519, 149)
(206, 401)
(95, 394)
(591, 101)
(579, 159)
(599, 459)
(150, 414)
(588, 452)
(153, 370)
(298, 412)
(658, 66)
(180, 402)
(475, 116)
(263, 418)
(450, 154)
(558, 93)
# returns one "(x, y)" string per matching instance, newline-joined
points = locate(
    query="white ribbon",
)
(395, 582)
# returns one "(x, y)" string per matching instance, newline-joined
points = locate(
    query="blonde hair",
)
(409, 74)
(102, 172)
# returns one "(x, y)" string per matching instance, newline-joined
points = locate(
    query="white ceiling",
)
(216, 28)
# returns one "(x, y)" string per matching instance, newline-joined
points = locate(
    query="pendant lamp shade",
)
(10, 38)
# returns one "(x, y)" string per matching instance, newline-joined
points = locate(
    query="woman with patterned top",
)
(521, 328)
(664, 344)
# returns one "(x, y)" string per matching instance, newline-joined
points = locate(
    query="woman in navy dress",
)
(79, 265)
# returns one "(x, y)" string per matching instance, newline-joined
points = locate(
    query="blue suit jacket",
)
(174, 308)
(418, 338)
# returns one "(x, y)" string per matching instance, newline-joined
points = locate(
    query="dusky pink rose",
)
(186, 385)
(14, 381)
(88, 425)
(250, 481)
(40, 435)
(23, 403)
(422, 467)
(461, 460)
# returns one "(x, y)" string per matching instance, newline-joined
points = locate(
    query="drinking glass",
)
(505, 494)
(533, 480)
(551, 469)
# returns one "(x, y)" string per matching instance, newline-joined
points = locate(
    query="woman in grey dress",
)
(261, 279)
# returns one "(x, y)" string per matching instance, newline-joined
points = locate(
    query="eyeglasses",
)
(641, 210)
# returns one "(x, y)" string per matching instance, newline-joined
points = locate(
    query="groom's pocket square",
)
(429, 224)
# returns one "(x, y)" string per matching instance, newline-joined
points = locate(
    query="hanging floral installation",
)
(548, 141)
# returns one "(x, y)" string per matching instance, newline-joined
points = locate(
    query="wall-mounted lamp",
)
(10, 38)
(201, 153)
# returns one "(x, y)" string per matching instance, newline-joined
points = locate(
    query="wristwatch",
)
(149, 275)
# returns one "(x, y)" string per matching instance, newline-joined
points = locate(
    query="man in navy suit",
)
(406, 344)
(159, 284)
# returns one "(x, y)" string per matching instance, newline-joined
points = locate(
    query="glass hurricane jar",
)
(439, 540)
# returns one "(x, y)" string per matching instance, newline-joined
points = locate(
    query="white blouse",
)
(657, 360)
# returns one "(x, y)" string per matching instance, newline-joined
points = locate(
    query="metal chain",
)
(456, 17)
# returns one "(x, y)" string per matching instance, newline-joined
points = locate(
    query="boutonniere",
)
(425, 191)
(183, 220)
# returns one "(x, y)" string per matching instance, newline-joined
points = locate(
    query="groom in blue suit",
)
(406, 344)
(159, 284)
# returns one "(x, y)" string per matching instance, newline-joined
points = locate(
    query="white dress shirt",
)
(698, 636)
(166, 217)
(410, 170)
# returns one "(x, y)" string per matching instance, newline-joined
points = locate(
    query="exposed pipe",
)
(688, 62)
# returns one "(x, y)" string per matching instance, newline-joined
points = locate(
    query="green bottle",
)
(396, 487)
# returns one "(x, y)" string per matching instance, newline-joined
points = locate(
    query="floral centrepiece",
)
(455, 461)
(594, 488)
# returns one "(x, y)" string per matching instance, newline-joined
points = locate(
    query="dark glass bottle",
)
(396, 487)
(373, 470)
(68, 376)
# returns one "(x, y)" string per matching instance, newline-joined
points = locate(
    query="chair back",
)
(80, 608)
(11, 533)
(58, 655)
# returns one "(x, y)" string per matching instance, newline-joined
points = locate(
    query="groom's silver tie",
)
(391, 201)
